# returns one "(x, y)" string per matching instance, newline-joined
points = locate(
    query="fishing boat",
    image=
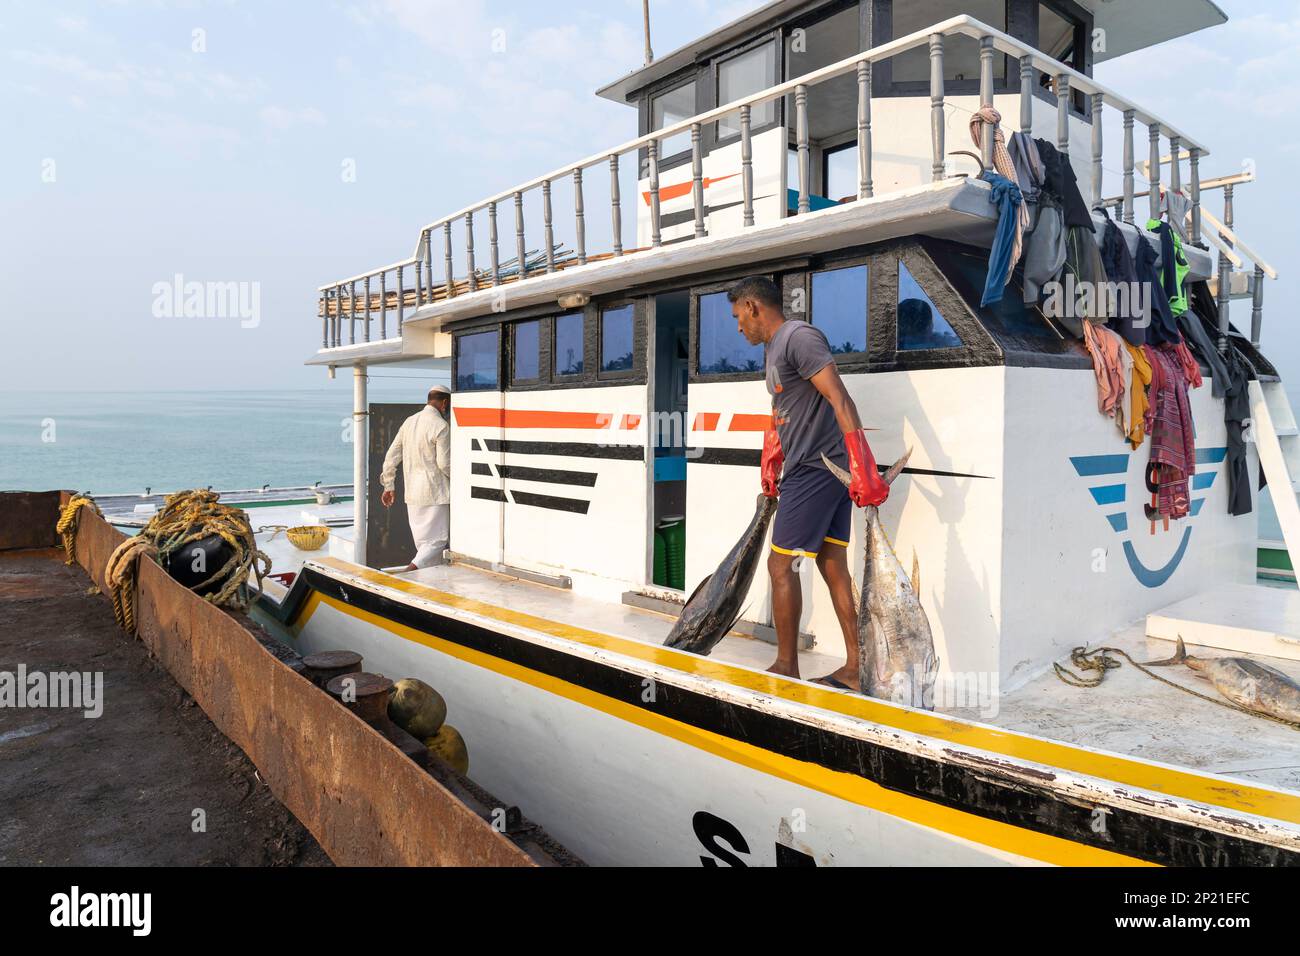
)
(606, 412)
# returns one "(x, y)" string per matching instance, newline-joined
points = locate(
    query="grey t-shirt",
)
(805, 421)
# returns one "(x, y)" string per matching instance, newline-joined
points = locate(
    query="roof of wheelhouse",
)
(1130, 25)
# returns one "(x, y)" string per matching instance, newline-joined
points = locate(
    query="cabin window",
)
(569, 344)
(616, 335)
(742, 75)
(839, 307)
(673, 106)
(722, 349)
(920, 323)
(961, 55)
(840, 172)
(526, 352)
(1058, 36)
(477, 360)
(968, 270)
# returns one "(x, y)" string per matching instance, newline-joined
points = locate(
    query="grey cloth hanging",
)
(1044, 255)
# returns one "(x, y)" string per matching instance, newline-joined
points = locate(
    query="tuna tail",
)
(1180, 657)
(888, 477)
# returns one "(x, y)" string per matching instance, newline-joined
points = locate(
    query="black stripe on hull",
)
(556, 476)
(487, 494)
(985, 793)
(568, 449)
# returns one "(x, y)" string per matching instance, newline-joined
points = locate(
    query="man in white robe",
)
(423, 448)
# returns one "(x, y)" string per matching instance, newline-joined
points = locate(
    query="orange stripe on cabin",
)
(705, 421)
(678, 190)
(750, 423)
(630, 422)
(530, 418)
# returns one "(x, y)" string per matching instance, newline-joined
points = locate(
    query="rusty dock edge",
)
(364, 801)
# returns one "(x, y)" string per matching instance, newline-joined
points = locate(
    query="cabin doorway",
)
(668, 433)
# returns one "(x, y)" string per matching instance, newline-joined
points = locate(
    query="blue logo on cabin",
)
(1108, 483)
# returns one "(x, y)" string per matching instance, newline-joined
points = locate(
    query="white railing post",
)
(697, 180)
(986, 99)
(865, 184)
(367, 328)
(383, 305)
(471, 270)
(1225, 272)
(652, 153)
(446, 255)
(1098, 102)
(746, 167)
(547, 226)
(579, 215)
(936, 107)
(801, 140)
(1196, 195)
(615, 205)
(520, 250)
(1129, 163)
(1027, 95)
(1153, 169)
(1063, 114)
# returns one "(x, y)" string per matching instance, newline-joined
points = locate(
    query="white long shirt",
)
(423, 447)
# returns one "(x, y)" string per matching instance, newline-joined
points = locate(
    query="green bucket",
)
(674, 534)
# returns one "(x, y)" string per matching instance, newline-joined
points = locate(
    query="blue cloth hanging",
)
(1006, 196)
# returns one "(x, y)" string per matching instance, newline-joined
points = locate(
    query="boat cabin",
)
(608, 416)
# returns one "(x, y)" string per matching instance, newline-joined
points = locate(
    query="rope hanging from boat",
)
(67, 526)
(188, 517)
(1099, 661)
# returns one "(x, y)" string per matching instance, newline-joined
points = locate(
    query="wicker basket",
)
(308, 537)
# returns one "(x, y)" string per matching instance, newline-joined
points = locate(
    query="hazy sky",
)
(149, 138)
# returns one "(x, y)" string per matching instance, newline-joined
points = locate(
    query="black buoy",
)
(197, 561)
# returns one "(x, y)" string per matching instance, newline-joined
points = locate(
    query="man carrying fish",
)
(814, 421)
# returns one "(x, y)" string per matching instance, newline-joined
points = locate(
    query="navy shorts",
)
(814, 510)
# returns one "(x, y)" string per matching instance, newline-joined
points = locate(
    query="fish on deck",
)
(1247, 683)
(715, 605)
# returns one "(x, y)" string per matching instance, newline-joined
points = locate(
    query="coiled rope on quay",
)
(67, 526)
(187, 517)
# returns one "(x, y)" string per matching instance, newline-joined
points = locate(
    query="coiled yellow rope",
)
(186, 517)
(67, 525)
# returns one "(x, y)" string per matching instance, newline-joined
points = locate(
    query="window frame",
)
(690, 78)
(693, 357)
(494, 329)
(832, 265)
(556, 377)
(515, 382)
(638, 338)
(773, 37)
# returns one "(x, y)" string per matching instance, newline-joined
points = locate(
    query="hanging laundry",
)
(1006, 196)
(1139, 407)
(1173, 444)
(1083, 261)
(1132, 312)
(1230, 380)
(1107, 365)
(1162, 326)
(1006, 168)
(1044, 248)
(1059, 179)
(1175, 206)
(1173, 265)
(1191, 368)
(1028, 165)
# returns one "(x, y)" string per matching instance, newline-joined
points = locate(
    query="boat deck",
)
(1129, 714)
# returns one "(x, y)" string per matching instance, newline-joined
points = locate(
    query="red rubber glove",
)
(866, 487)
(773, 459)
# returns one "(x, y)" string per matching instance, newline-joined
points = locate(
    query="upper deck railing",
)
(340, 300)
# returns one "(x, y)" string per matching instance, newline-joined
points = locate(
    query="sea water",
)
(110, 442)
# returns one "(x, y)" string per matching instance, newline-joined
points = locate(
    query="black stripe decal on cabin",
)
(985, 792)
(557, 476)
(489, 494)
(478, 468)
(475, 445)
(568, 449)
(753, 458)
(533, 499)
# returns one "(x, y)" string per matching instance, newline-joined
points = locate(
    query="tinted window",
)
(568, 344)
(842, 173)
(742, 75)
(839, 307)
(476, 361)
(526, 358)
(670, 107)
(722, 347)
(920, 323)
(616, 339)
(1011, 313)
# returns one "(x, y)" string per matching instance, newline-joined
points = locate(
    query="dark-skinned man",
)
(812, 415)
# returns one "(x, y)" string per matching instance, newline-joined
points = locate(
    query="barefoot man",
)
(812, 414)
(423, 449)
